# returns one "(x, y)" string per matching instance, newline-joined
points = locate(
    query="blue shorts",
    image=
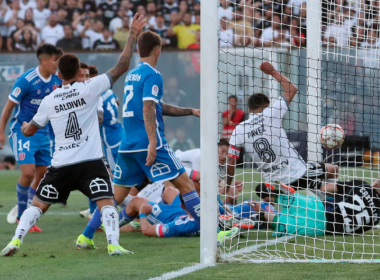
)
(31, 150)
(164, 213)
(130, 169)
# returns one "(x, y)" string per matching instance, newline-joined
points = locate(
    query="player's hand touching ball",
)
(267, 68)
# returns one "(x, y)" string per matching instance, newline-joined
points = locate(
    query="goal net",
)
(330, 52)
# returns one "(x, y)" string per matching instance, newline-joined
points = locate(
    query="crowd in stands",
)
(95, 24)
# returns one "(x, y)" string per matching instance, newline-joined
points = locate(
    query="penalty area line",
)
(183, 271)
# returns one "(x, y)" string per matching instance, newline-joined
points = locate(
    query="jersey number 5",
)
(72, 127)
(128, 91)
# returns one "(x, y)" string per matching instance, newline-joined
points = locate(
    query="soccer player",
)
(144, 151)
(265, 141)
(32, 153)
(77, 162)
(354, 208)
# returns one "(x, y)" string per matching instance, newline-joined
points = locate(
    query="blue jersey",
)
(142, 83)
(27, 93)
(111, 130)
(181, 226)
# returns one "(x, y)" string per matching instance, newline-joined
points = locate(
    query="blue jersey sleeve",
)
(19, 90)
(183, 226)
(152, 87)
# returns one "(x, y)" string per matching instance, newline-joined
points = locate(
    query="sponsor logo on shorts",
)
(21, 156)
(16, 92)
(98, 185)
(155, 90)
(48, 191)
(159, 169)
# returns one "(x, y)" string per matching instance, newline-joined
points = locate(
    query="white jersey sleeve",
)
(99, 84)
(277, 111)
(100, 105)
(42, 117)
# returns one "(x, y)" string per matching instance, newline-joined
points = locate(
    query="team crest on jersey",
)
(21, 156)
(159, 169)
(16, 92)
(155, 90)
(38, 91)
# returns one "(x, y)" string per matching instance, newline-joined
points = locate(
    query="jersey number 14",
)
(72, 127)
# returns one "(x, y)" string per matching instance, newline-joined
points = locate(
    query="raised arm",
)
(290, 89)
(7, 111)
(124, 61)
(149, 114)
(174, 111)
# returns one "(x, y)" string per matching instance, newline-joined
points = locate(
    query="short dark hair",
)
(224, 142)
(93, 70)
(68, 66)
(147, 42)
(84, 66)
(231, 96)
(26, 22)
(69, 25)
(10, 159)
(48, 49)
(258, 100)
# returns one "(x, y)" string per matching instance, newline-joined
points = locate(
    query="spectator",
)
(136, 3)
(9, 163)
(123, 11)
(69, 42)
(273, 35)
(358, 36)
(10, 18)
(197, 7)
(40, 15)
(243, 29)
(89, 6)
(92, 30)
(162, 30)
(197, 44)
(181, 142)
(263, 23)
(169, 7)
(29, 15)
(185, 32)
(225, 10)
(349, 14)
(226, 37)
(296, 36)
(109, 9)
(372, 40)
(337, 33)
(197, 18)
(293, 7)
(232, 117)
(53, 32)
(107, 42)
(53, 6)
(28, 41)
(10, 40)
(27, 4)
(151, 14)
(122, 33)
(71, 8)
(173, 94)
(183, 8)
(62, 16)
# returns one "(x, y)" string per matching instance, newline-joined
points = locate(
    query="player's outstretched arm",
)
(146, 227)
(124, 61)
(289, 88)
(7, 111)
(174, 111)
(149, 114)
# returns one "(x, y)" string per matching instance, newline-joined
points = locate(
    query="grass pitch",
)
(52, 254)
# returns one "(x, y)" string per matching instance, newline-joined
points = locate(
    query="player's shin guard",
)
(31, 194)
(22, 199)
(111, 224)
(124, 218)
(28, 219)
(193, 205)
(93, 225)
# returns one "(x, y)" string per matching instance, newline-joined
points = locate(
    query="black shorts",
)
(90, 177)
(313, 177)
(356, 208)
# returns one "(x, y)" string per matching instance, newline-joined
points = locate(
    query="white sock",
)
(28, 219)
(111, 224)
(126, 201)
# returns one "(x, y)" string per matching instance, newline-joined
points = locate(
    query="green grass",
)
(52, 254)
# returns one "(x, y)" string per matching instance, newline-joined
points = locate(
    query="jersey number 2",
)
(128, 97)
(72, 127)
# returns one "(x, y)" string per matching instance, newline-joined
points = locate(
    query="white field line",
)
(183, 271)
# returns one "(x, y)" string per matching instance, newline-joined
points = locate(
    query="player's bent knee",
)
(104, 202)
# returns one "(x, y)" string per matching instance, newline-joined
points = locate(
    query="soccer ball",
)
(332, 136)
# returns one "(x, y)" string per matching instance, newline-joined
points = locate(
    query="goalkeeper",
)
(352, 207)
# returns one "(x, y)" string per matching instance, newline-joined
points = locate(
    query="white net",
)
(333, 61)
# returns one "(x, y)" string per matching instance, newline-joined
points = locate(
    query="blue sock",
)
(193, 205)
(22, 199)
(93, 224)
(92, 205)
(31, 194)
(124, 218)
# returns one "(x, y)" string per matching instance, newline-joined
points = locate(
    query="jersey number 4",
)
(72, 127)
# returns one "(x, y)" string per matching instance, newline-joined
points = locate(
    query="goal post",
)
(209, 131)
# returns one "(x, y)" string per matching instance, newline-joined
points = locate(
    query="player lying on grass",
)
(266, 142)
(354, 208)
(77, 162)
